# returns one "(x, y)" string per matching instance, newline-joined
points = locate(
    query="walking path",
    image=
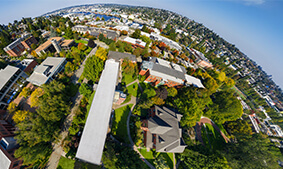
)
(58, 145)
(133, 146)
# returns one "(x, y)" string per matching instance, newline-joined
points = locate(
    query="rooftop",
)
(165, 124)
(94, 134)
(118, 55)
(46, 44)
(45, 70)
(67, 42)
(6, 74)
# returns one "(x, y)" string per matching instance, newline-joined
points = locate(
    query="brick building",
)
(15, 48)
(161, 72)
(28, 42)
(8, 146)
(18, 46)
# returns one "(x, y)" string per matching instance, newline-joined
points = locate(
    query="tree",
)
(172, 92)
(161, 92)
(12, 107)
(85, 90)
(239, 127)
(82, 47)
(124, 32)
(101, 53)
(136, 34)
(69, 67)
(112, 46)
(137, 51)
(97, 19)
(33, 46)
(93, 68)
(34, 97)
(227, 107)
(25, 92)
(91, 43)
(158, 101)
(20, 115)
(160, 163)
(69, 33)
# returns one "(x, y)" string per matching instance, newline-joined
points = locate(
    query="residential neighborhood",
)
(114, 86)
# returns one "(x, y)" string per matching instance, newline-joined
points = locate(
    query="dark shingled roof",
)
(165, 124)
(118, 55)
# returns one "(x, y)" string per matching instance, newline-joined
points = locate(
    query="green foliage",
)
(227, 107)
(136, 34)
(112, 46)
(85, 90)
(36, 132)
(251, 152)
(160, 163)
(117, 156)
(93, 68)
(172, 92)
(119, 126)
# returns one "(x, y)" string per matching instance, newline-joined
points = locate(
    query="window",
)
(3, 144)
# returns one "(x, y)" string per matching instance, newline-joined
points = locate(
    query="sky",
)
(254, 26)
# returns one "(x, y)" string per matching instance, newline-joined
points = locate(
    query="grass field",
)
(119, 125)
(81, 41)
(150, 156)
(220, 126)
(215, 137)
(239, 93)
(127, 78)
(65, 163)
(133, 89)
(128, 98)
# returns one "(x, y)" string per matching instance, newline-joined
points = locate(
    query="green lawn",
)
(133, 89)
(128, 98)
(127, 78)
(222, 128)
(149, 156)
(239, 93)
(215, 137)
(204, 137)
(81, 41)
(65, 163)
(119, 125)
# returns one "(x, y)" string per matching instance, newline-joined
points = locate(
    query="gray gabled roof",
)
(118, 55)
(166, 125)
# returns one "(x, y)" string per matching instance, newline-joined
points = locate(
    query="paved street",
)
(57, 147)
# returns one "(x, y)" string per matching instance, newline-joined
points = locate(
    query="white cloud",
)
(253, 2)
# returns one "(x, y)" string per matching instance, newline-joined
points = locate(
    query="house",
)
(47, 70)
(15, 48)
(18, 46)
(161, 72)
(119, 97)
(172, 44)
(27, 65)
(201, 60)
(162, 131)
(8, 146)
(135, 42)
(11, 80)
(119, 56)
(55, 44)
(94, 31)
(28, 42)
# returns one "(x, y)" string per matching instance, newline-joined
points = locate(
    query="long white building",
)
(94, 134)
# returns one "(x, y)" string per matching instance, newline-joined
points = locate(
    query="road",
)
(57, 146)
